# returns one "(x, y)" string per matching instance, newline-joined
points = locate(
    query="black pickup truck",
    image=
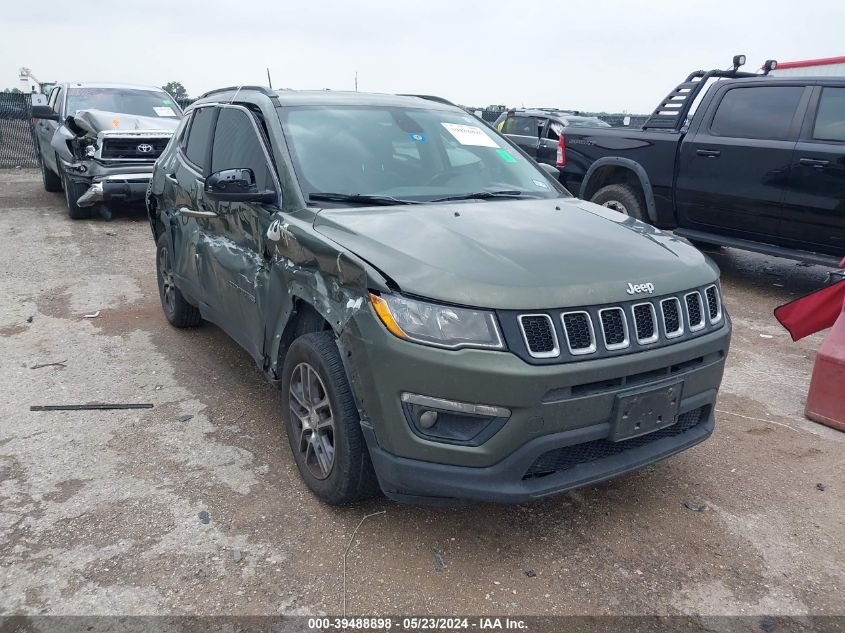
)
(760, 165)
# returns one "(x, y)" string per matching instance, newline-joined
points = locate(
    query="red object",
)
(824, 61)
(812, 313)
(826, 398)
(561, 151)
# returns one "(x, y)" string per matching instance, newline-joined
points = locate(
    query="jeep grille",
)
(549, 336)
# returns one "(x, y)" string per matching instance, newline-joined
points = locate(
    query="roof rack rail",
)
(671, 113)
(429, 98)
(263, 89)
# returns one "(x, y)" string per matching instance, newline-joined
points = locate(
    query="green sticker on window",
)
(166, 101)
(505, 156)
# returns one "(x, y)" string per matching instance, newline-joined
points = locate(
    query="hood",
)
(520, 254)
(95, 121)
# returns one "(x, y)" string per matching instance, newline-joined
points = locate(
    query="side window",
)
(522, 125)
(199, 136)
(554, 131)
(830, 119)
(56, 99)
(757, 112)
(236, 145)
(184, 128)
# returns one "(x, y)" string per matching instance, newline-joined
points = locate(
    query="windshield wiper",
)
(360, 198)
(485, 195)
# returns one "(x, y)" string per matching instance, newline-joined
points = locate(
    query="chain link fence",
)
(17, 135)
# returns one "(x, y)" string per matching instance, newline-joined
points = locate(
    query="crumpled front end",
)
(114, 154)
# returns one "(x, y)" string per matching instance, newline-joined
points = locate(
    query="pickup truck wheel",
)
(178, 311)
(323, 426)
(52, 182)
(622, 198)
(72, 192)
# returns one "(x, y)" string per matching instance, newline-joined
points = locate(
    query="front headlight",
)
(438, 325)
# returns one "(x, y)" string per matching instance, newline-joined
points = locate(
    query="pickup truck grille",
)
(602, 331)
(117, 148)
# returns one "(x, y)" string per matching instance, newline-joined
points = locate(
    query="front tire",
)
(178, 311)
(73, 190)
(622, 198)
(52, 182)
(323, 426)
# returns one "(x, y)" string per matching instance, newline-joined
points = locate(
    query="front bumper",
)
(552, 407)
(116, 188)
(583, 456)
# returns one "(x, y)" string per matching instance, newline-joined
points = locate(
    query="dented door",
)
(232, 249)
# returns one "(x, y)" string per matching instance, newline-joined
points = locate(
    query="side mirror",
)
(551, 170)
(44, 112)
(236, 185)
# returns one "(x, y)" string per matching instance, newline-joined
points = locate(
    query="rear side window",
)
(199, 136)
(830, 119)
(758, 112)
(521, 125)
(236, 145)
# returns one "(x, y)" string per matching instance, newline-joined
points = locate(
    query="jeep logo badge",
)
(635, 289)
(145, 148)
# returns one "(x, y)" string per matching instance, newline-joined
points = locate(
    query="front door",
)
(814, 209)
(44, 130)
(734, 169)
(235, 251)
(525, 131)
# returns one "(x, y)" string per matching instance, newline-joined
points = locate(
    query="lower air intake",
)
(561, 459)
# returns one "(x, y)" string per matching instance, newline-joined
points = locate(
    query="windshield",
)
(152, 103)
(405, 153)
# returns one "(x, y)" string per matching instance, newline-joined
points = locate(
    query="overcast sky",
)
(609, 55)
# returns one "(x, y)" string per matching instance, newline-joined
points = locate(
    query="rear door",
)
(233, 255)
(525, 131)
(814, 209)
(733, 169)
(190, 208)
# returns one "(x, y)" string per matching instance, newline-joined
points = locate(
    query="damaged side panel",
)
(306, 269)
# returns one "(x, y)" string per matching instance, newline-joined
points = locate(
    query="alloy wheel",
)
(615, 205)
(313, 419)
(165, 272)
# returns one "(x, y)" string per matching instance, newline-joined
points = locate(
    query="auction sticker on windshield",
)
(164, 111)
(469, 135)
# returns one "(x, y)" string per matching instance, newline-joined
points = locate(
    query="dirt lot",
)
(99, 510)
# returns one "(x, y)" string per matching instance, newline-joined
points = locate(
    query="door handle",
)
(192, 213)
(708, 153)
(814, 162)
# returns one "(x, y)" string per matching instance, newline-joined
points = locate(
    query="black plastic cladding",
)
(516, 344)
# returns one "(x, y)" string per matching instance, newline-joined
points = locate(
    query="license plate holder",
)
(647, 411)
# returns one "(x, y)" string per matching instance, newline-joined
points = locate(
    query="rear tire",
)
(176, 308)
(322, 421)
(622, 198)
(52, 182)
(72, 192)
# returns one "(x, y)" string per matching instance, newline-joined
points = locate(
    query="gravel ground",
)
(99, 511)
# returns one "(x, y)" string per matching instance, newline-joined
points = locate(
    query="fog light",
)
(428, 419)
(453, 422)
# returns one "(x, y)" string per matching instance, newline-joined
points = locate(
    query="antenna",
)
(269, 81)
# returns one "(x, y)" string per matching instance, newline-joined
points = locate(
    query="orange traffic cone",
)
(826, 398)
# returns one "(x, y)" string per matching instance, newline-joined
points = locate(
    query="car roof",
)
(106, 84)
(290, 98)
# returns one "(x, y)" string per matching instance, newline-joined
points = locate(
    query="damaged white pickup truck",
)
(98, 142)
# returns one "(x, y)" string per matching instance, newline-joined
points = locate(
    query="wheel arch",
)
(614, 170)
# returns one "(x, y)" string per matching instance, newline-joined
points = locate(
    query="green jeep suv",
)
(443, 319)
